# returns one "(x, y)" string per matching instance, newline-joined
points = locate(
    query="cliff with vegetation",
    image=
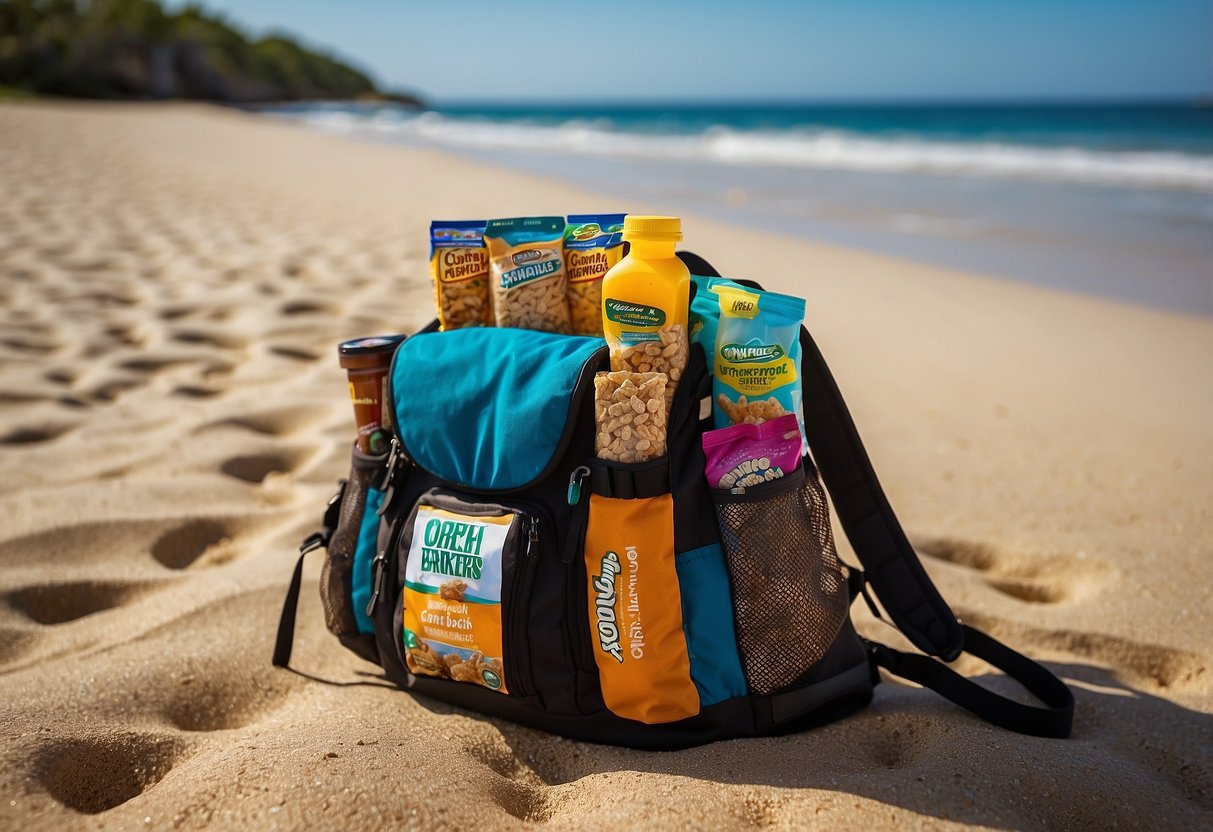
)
(136, 49)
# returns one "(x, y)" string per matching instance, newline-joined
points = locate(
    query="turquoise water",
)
(1108, 199)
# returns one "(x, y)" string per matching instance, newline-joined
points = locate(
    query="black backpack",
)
(771, 647)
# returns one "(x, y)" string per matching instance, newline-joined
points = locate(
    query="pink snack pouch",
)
(743, 456)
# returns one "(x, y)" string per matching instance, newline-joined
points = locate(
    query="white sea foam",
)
(821, 149)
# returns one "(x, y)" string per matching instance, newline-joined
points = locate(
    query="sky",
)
(881, 50)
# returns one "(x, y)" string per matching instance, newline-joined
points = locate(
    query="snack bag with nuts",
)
(755, 371)
(592, 244)
(459, 267)
(630, 416)
(747, 455)
(526, 262)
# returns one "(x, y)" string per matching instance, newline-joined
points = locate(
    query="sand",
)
(174, 279)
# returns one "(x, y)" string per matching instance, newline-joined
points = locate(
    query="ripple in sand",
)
(93, 775)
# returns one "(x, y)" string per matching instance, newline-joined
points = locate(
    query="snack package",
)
(748, 454)
(630, 416)
(756, 357)
(526, 266)
(592, 244)
(459, 267)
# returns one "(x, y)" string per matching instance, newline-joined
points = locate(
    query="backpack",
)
(494, 438)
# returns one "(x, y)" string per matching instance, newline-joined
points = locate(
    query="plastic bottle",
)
(645, 301)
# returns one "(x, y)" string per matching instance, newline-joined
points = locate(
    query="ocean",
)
(1113, 200)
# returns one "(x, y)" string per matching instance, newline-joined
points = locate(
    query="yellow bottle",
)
(645, 301)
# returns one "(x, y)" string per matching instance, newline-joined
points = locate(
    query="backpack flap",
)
(491, 409)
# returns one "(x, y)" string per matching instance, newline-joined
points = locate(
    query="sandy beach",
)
(173, 282)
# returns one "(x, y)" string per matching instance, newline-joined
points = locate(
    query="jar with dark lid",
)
(367, 362)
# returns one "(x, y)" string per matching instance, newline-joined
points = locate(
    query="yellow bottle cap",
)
(656, 229)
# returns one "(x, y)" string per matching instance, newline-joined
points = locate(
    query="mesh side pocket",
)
(336, 575)
(789, 595)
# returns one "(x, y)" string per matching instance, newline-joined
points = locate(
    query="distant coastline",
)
(136, 50)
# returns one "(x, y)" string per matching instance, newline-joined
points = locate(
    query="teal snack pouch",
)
(756, 356)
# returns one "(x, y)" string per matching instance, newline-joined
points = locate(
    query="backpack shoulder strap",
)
(903, 586)
(889, 561)
(892, 567)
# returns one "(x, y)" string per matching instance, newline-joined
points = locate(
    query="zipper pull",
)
(378, 568)
(575, 542)
(576, 480)
(532, 536)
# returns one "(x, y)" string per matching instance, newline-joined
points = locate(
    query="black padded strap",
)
(286, 622)
(316, 540)
(697, 265)
(888, 559)
(1053, 720)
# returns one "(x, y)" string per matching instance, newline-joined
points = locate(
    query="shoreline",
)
(176, 279)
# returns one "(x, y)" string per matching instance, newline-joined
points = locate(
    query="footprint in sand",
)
(210, 338)
(294, 353)
(31, 344)
(255, 468)
(1038, 579)
(61, 375)
(156, 364)
(92, 775)
(282, 421)
(194, 391)
(107, 390)
(33, 434)
(203, 541)
(1140, 663)
(219, 699)
(60, 603)
(15, 643)
(309, 307)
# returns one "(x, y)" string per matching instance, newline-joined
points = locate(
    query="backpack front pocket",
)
(465, 572)
(632, 598)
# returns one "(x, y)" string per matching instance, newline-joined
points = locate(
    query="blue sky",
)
(862, 49)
